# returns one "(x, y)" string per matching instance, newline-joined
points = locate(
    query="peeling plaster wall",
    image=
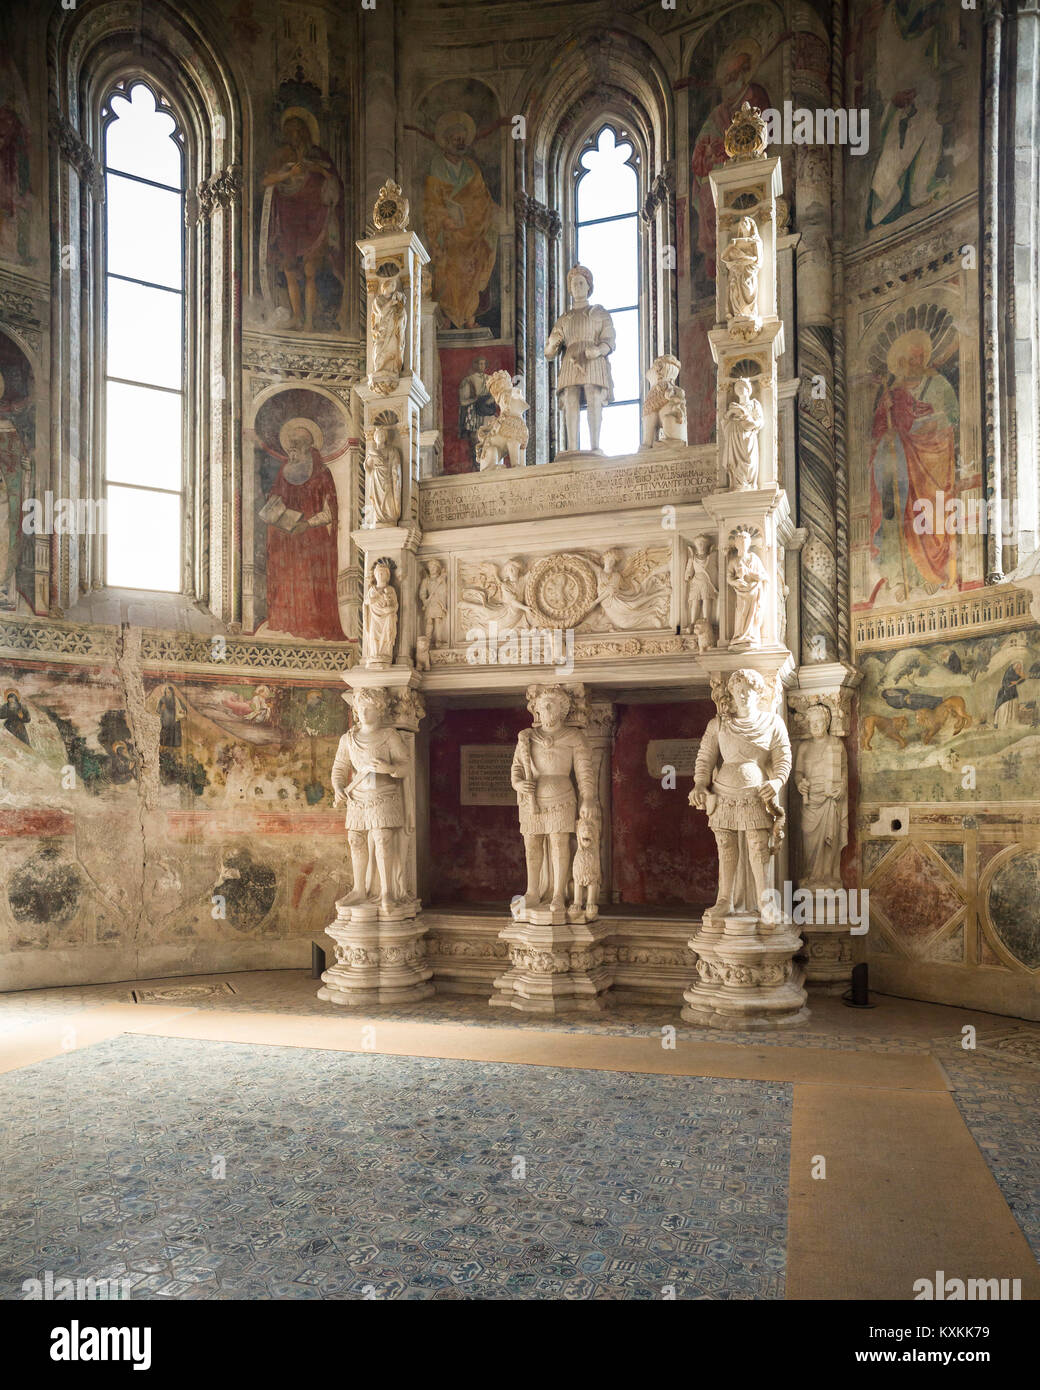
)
(150, 826)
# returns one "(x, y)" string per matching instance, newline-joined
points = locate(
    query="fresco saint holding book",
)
(301, 513)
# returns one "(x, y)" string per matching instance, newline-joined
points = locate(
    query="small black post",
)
(317, 961)
(858, 996)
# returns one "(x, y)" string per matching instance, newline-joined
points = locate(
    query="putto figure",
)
(505, 436)
(664, 409)
(743, 762)
(371, 762)
(585, 333)
(555, 782)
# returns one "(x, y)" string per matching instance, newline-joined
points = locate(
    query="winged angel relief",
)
(577, 588)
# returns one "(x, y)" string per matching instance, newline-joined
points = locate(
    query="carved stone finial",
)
(746, 137)
(390, 213)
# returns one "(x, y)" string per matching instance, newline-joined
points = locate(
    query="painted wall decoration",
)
(247, 746)
(663, 852)
(16, 129)
(296, 434)
(465, 401)
(302, 229)
(912, 64)
(17, 438)
(118, 825)
(476, 852)
(914, 452)
(1013, 904)
(698, 376)
(737, 60)
(953, 721)
(458, 166)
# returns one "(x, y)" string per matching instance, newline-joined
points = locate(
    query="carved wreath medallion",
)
(562, 588)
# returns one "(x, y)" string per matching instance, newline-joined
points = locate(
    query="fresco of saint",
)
(911, 136)
(302, 226)
(913, 458)
(460, 221)
(734, 78)
(301, 514)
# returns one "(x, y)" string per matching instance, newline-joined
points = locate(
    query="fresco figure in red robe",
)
(913, 459)
(301, 551)
(302, 227)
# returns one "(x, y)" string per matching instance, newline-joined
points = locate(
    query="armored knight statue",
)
(555, 783)
(374, 752)
(585, 333)
(743, 762)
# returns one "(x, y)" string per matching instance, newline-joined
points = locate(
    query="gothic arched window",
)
(607, 241)
(143, 340)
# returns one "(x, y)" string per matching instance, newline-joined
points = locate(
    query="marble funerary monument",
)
(568, 585)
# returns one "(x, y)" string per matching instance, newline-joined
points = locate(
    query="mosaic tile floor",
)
(354, 1175)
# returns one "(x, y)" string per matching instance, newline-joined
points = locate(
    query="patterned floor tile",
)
(440, 1178)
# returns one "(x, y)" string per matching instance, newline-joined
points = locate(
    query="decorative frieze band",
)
(63, 641)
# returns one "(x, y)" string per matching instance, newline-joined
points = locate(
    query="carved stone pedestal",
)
(377, 961)
(827, 957)
(746, 975)
(556, 967)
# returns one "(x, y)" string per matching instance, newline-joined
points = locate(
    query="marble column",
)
(814, 346)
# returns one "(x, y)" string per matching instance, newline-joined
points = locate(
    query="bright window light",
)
(607, 208)
(144, 343)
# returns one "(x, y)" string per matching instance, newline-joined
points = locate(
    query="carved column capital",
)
(535, 214)
(219, 190)
(75, 151)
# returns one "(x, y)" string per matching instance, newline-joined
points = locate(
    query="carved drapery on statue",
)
(821, 778)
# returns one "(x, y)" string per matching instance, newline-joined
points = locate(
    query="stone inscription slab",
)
(548, 490)
(680, 753)
(484, 775)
